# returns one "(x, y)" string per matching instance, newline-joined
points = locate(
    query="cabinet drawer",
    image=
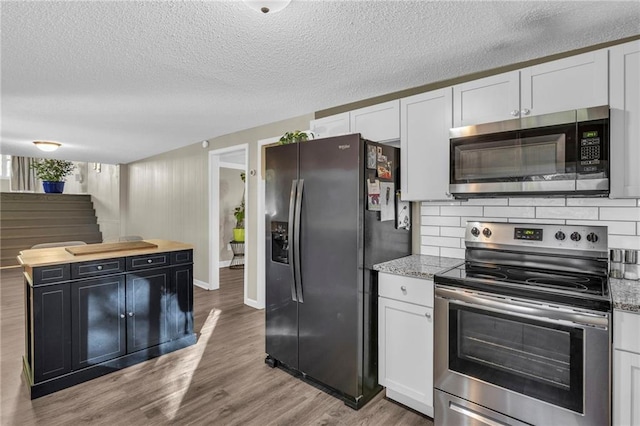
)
(135, 263)
(96, 268)
(178, 257)
(406, 289)
(51, 274)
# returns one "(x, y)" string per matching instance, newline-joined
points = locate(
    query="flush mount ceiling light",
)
(267, 6)
(47, 146)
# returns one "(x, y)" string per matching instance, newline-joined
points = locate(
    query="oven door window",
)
(537, 359)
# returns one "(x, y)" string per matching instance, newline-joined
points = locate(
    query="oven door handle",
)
(530, 310)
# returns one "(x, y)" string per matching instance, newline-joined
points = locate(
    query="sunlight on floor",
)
(175, 386)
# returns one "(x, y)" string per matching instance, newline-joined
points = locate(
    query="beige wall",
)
(5, 185)
(104, 187)
(167, 196)
(231, 187)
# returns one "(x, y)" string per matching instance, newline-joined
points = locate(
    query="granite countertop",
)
(625, 294)
(417, 265)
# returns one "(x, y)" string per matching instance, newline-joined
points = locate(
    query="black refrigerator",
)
(323, 235)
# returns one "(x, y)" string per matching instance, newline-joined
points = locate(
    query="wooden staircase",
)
(27, 219)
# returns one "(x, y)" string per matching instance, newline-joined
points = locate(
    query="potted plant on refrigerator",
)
(52, 173)
(238, 213)
(294, 137)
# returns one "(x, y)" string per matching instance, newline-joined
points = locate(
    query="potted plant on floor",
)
(238, 213)
(52, 173)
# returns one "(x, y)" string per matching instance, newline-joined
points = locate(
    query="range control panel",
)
(523, 237)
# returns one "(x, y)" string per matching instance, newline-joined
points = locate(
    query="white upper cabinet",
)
(575, 82)
(579, 81)
(378, 123)
(332, 125)
(625, 120)
(494, 98)
(425, 120)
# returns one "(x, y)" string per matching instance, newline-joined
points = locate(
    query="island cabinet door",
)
(180, 295)
(98, 318)
(148, 307)
(51, 331)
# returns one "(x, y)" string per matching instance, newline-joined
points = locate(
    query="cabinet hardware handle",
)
(99, 267)
(525, 111)
(403, 288)
(428, 315)
(130, 314)
(515, 113)
(122, 315)
(149, 261)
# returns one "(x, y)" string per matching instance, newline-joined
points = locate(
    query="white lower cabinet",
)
(405, 340)
(626, 369)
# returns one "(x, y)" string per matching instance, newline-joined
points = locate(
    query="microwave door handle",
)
(296, 246)
(292, 203)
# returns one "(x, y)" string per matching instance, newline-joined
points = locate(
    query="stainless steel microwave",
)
(565, 153)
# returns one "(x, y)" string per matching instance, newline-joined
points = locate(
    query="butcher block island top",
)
(57, 255)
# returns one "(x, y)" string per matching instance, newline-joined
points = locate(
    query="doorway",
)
(221, 162)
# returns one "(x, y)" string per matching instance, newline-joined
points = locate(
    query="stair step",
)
(32, 214)
(45, 206)
(46, 230)
(38, 197)
(6, 223)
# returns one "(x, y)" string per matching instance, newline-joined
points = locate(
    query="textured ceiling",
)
(117, 81)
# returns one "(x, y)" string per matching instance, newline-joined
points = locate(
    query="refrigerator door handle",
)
(296, 241)
(292, 204)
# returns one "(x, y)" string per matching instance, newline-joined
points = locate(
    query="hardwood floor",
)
(221, 380)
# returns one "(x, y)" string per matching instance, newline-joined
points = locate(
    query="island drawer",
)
(184, 256)
(148, 261)
(95, 268)
(406, 289)
(51, 274)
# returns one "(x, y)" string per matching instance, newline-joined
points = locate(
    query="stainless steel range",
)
(523, 328)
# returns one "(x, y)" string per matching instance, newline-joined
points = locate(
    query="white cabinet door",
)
(579, 81)
(425, 120)
(625, 120)
(405, 356)
(494, 98)
(626, 388)
(378, 123)
(332, 125)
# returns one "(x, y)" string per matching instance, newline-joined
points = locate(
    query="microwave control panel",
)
(590, 154)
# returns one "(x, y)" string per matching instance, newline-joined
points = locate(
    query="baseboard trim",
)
(201, 284)
(252, 303)
(224, 263)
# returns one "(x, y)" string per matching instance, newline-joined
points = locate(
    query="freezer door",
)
(281, 312)
(330, 318)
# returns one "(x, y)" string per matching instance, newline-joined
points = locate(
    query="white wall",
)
(443, 223)
(104, 187)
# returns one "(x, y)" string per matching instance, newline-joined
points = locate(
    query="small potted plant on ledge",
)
(238, 231)
(52, 173)
(294, 137)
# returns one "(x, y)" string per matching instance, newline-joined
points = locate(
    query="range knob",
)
(486, 232)
(560, 236)
(575, 236)
(475, 231)
(592, 237)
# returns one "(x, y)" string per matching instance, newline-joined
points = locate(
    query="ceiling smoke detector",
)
(266, 6)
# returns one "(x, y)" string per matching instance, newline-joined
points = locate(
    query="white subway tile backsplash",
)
(600, 202)
(487, 202)
(625, 241)
(619, 228)
(457, 232)
(441, 220)
(440, 241)
(510, 212)
(430, 230)
(452, 252)
(537, 202)
(430, 250)
(441, 203)
(461, 210)
(529, 220)
(464, 220)
(620, 213)
(567, 213)
(430, 210)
